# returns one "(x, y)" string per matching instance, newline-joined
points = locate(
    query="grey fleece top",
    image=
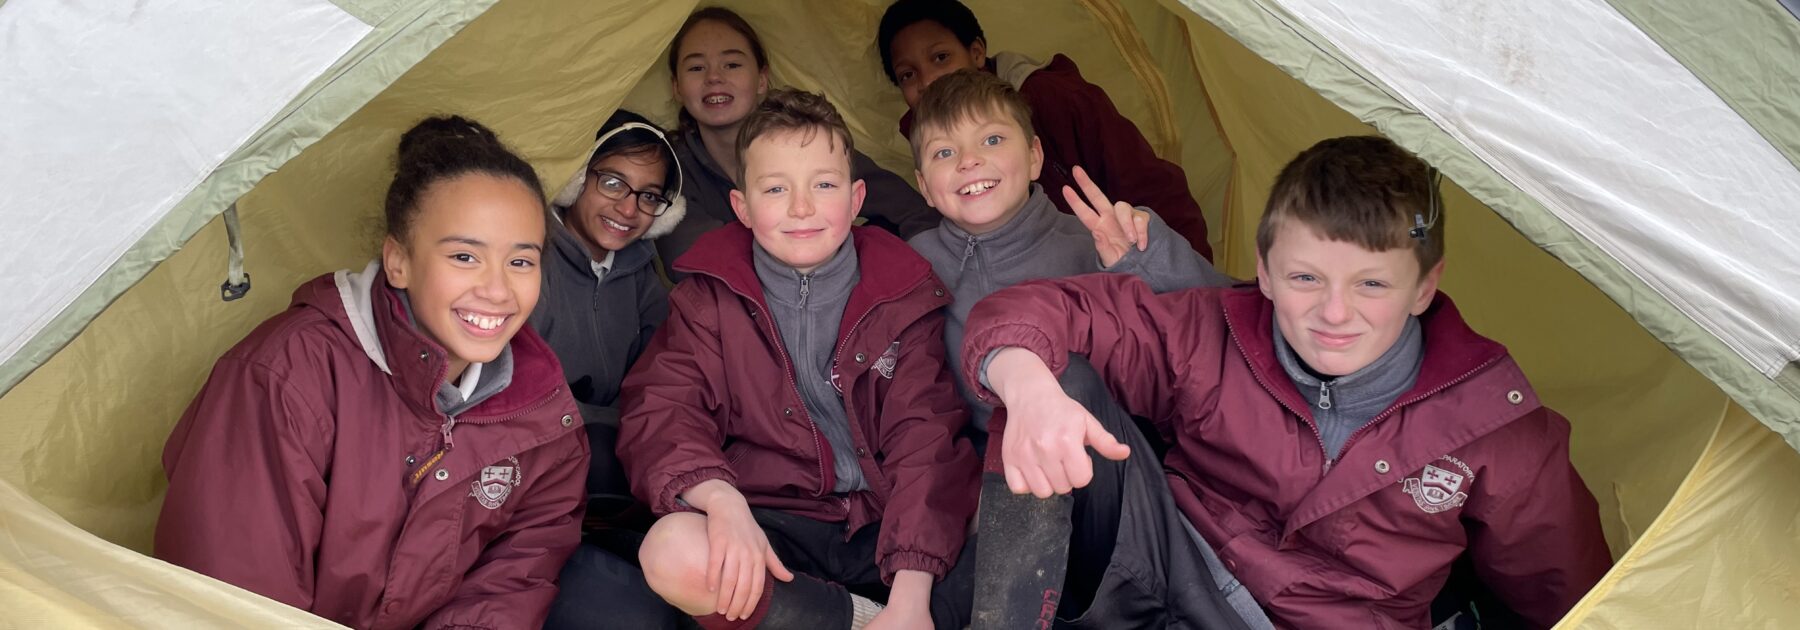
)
(1344, 404)
(891, 203)
(807, 310)
(1043, 242)
(597, 326)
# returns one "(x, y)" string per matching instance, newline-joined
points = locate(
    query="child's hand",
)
(1116, 225)
(909, 603)
(739, 557)
(1042, 450)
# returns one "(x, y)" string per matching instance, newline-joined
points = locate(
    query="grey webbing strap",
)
(237, 283)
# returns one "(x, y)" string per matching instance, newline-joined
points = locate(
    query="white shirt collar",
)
(604, 265)
(470, 377)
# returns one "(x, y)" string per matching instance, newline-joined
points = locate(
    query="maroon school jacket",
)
(714, 398)
(308, 473)
(1467, 461)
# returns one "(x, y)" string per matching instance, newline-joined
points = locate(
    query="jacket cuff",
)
(979, 349)
(913, 561)
(670, 500)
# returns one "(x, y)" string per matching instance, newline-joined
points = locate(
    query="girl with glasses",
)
(602, 301)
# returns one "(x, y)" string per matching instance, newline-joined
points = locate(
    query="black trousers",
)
(819, 550)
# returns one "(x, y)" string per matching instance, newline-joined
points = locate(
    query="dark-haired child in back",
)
(923, 40)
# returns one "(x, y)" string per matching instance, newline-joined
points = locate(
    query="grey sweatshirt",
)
(1043, 242)
(891, 204)
(1344, 404)
(598, 326)
(807, 310)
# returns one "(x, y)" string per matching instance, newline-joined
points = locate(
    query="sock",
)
(717, 621)
(807, 603)
(862, 611)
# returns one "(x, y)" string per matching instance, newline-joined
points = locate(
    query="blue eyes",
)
(991, 140)
(1366, 284)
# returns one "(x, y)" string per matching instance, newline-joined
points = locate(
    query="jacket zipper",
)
(788, 364)
(1271, 391)
(967, 252)
(805, 288)
(450, 421)
(1434, 391)
(1325, 394)
(788, 367)
(838, 358)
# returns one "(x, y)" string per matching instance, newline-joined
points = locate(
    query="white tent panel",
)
(1555, 95)
(112, 112)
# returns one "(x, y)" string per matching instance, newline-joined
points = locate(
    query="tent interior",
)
(1695, 494)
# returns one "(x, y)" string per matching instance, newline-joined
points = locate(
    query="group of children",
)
(797, 434)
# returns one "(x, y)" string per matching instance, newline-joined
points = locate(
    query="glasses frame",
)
(645, 199)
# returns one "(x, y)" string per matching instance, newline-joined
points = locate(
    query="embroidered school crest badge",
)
(496, 483)
(889, 359)
(1437, 489)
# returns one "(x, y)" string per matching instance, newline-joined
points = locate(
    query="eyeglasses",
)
(614, 187)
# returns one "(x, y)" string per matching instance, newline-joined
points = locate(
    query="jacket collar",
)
(1016, 238)
(367, 308)
(827, 284)
(889, 268)
(1498, 394)
(1453, 351)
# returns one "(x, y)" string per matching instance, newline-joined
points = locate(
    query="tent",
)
(1623, 173)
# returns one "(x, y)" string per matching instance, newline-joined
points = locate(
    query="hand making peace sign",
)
(1117, 226)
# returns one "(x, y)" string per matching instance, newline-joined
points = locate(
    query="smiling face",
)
(978, 172)
(470, 264)
(798, 199)
(925, 51)
(1338, 305)
(716, 76)
(605, 224)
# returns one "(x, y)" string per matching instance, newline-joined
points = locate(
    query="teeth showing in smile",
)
(718, 99)
(484, 323)
(978, 187)
(615, 225)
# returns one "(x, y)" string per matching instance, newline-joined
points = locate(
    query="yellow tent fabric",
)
(1684, 479)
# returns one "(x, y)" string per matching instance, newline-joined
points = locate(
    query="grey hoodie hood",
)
(661, 225)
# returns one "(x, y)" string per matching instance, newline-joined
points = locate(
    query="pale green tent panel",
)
(1680, 471)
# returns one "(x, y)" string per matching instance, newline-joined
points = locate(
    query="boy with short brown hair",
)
(921, 41)
(795, 410)
(1340, 436)
(978, 161)
(978, 158)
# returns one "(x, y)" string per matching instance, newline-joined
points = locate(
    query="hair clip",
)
(1421, 229)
